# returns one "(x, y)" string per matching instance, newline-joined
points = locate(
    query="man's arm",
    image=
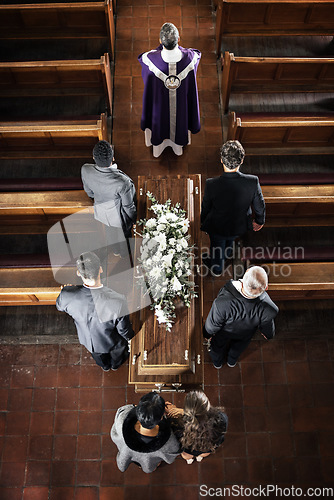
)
(124, 327)
(89, 192)
(129, 200)
(267, 324)
(215, 320)
(206, 204)
(267, 329)
(259, 208)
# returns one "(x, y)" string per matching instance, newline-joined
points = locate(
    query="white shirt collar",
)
(92, 287)
(171, 56)
(113, 165)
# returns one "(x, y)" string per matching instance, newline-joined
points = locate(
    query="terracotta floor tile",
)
(2, 423)
(279, 419)
(67, 399)
(323, 394)
(260, 470)
(258, 444)
(274, 373)
(64, 447)
(182, 471)
(298, 372)
(43, 399)
(111, 475)
(12, 473)
(256, 419)
(69, 354)
(88, 472)
(211, 471)
(41, 422)
(18, 423)
(36, 493)
(26, 356)
(134, 475)
(236, 470)
(15, 449)
(326, 442)
(311, 419)
(90, 422)
(89, 447)
(63, 473)
(251, 373)
(47, 354)
(22, 376)
(108, 418)
(327, 466)
(277, 395)
(309, 470)
(295, 350)
(90, 399)
(68, 376)
(109, 450)
(118, 378)
(236, 420)
(4, 395)
(138, 492)
(254, 395)
(235, 444)
(38, 473)
(10, 493)
(321, 371)
(108, 493)
(285, 470)
(5, 376)
(231, 396)
(62, 493)
(46, 376)
(306, 444)
(66, 422)
(40, 447)
(282, 444)
(317, 350)
(113, 398)
(300, 395)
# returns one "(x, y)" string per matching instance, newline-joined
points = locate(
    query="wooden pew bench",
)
(272, 18)
(275, 74)
(278, 133)
(295, 273)
(296, 206)
(43, 21)
(52, 139)
(57, 78)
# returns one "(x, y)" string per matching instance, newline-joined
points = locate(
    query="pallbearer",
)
(170, 100)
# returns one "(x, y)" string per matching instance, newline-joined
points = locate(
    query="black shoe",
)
(106, 369)
(215, 274)
(232, 365)
(218, 366)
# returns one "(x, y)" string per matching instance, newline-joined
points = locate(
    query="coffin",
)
(161, 360)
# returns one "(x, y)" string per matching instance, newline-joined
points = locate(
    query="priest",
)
(170, 99)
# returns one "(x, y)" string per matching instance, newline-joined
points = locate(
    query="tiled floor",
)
(57, 406)
(57, 409)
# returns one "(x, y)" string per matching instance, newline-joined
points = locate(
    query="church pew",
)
(57, 78)
(275, 74)
(279, 133)
(273, 18)
(52, 139)
(297, 206)
(43, 21)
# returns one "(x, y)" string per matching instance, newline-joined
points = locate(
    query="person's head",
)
(150, 410)
(89, 268)
(202, 423)
(196, 404)
(255, 281)
(232, 155)
(169, 36)
(103, 154)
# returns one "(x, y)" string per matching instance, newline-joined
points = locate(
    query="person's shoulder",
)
(87, 167)
(190, 52)
(249, 177)
(211, 181)
(71, 289)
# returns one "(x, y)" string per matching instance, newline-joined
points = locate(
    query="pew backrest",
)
(57, 78)
(273, 17)
(275, 74)
(277, 134)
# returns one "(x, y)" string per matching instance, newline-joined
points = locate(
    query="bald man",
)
(240, 308)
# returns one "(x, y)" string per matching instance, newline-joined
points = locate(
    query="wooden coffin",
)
(161, 360)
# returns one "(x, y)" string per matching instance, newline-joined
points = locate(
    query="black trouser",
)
(223, 346)
(113, 359)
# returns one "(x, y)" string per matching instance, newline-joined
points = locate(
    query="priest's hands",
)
(256, 226)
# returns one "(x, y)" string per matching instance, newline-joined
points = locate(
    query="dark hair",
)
(232, 154)
(169, 36)
(150, 410)
(88, 265)
(103, 154)
(203, 426)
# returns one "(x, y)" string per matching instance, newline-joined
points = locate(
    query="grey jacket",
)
(131, 449)
(100, 316)
(114, 195)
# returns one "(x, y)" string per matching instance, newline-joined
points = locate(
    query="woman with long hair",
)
(199, 427)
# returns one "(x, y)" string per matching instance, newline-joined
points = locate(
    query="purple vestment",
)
(170, 99)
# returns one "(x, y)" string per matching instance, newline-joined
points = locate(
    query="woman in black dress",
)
(199, 427)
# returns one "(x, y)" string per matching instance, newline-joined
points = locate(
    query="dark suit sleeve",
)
(123, 323)
(206, 204)
(215, 320)
(129, 201)
(259, 205)
(267, 324)
(89, 192)
(59, 302)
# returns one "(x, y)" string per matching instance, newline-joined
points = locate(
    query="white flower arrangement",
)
(166, 258)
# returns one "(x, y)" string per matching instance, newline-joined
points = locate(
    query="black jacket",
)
(100, 315)
(237, 317)
(227, 202)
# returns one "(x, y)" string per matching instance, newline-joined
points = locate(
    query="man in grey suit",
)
(100, 314)
(113, 192)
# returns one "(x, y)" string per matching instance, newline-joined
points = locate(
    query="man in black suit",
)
(240, 308)
(227, 206)
(100, 314)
